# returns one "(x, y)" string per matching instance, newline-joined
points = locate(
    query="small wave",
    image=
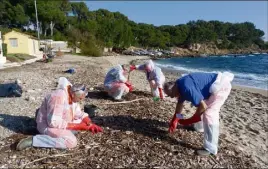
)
(226, 56)
(179, 68)
(262, 78)
(233, 55)
(184, 69)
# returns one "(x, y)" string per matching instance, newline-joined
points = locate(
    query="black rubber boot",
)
(203, 152)
(25, 143)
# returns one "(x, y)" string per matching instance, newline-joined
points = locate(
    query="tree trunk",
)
(51, 28)
(40, 28)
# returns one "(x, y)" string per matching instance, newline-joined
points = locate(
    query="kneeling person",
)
(59, 117)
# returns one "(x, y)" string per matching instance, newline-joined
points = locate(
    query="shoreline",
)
(185, 52)
(251, 89)
(205, 56)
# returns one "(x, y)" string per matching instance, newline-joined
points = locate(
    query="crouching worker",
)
(208, 92)
(116, 84)
(59, 118)
(155, 77)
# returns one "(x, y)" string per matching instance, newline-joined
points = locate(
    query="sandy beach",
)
(135, 134)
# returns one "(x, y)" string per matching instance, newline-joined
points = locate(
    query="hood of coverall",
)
(63, 83)
(149, 66)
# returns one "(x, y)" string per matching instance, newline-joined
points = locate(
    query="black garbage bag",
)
(10, 90)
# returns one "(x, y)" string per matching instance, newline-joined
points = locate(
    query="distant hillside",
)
(72, 21)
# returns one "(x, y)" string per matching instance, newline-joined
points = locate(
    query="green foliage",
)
(12, 15)
(223, 44)
(90, 48)
(58, 36)
(74, 22)
(4, 48)
(4, 30)
(80, 10)
(266, 45)
(48, 60)
(232, 46)
(18, 57)
(13, 59)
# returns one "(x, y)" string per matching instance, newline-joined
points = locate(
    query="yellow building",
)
(21, 43)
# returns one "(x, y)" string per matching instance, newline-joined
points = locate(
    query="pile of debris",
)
(135, 135)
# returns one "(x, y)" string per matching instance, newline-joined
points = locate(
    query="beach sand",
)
(244, 125)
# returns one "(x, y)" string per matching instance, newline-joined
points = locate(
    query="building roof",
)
(29, 36)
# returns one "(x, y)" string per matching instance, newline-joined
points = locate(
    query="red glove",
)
(194, 119)
(74, 126)
(130, 88)
(161, 93)
(82, 126)
(173, 124)
(94, 128)
(86, 120)
(132, 67)
(129, 85)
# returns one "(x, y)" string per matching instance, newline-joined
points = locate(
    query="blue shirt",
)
(195, 87)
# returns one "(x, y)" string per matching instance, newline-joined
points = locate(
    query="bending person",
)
(208, 92)
(154, 76)
(116, 84)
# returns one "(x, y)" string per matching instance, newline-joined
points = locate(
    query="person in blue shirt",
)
(207, 92)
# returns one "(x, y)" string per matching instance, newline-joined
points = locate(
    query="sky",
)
(180, 12)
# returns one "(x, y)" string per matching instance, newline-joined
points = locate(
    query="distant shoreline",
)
(208, 55)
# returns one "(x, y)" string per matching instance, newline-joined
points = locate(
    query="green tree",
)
(80, 10)
(76, 23)
(12, 15)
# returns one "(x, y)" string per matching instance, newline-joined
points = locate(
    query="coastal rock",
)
(30, 98)
(39, 90)
(18, 81)
(194, 47)
(210, 48)
(30, 91)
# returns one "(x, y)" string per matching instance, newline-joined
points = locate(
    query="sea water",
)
(249, 70)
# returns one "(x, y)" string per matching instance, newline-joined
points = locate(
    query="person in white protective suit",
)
(59, 117)
(154, 75)
(208, 92)
(116, 83)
